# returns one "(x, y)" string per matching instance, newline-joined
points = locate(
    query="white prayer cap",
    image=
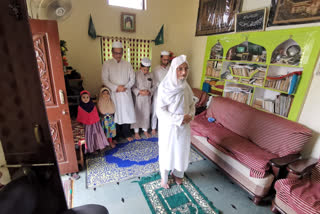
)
(146, 62)
(116, 45)
(165, 53)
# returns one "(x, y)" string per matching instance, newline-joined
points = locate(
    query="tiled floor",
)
(126, 197)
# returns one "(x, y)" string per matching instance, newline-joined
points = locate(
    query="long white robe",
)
(113, 75)
(159, 73)
(142, 104)
(174, 138)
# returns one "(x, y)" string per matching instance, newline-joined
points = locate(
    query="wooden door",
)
(24, 131)
(47, 49)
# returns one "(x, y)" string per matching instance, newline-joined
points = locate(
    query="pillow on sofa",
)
(270, 132)
(248, 153)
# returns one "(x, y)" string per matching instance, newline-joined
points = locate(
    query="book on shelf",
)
(268, 105)
(240, 93)
(281, 105)
(253, 81)
(294, 84)
(213, 69)
(242, 70)
(239, 96)
(286, 83)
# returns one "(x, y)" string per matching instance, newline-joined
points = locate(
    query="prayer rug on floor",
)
(128, 160)
(185, 198)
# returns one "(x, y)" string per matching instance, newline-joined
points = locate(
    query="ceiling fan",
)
(52, 9)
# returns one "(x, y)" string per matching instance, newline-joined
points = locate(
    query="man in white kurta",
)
(118, 75)
(175, 110)
(159, 72)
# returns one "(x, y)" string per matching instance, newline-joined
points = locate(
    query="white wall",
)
(310, 116)
(84, 52)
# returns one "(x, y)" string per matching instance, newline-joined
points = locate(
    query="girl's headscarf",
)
(105, 104)
(88, 107)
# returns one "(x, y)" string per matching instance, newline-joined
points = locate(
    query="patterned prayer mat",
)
(185, 198)
(127, 160)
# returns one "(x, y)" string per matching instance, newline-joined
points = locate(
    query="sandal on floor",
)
(176, 178)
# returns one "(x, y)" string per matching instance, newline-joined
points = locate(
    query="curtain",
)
(133, 49)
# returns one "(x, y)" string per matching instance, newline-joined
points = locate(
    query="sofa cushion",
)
(249, 154)
(270, 132)
(303, 196)
(215, 131)
(233, 145)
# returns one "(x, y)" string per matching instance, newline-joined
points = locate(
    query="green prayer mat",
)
(185, 198)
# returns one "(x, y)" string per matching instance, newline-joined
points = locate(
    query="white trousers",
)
(165, 173)
(154, 120)
(137, 130)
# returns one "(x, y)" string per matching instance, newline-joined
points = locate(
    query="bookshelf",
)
(269, 70)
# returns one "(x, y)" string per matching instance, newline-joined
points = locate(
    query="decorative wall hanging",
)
(128, 22)
(216, 16)
(294, 12)
(251, 20)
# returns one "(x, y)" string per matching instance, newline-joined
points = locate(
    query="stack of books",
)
(267, 105)
(239, 93)
(242, 70)
(257, 79)
(239, 96)
(281, 105)
(287, 83)
(213, 69)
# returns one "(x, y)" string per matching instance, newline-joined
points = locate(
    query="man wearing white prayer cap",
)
(159, 73)
(175, 110)
(143, 90)
(118, 75)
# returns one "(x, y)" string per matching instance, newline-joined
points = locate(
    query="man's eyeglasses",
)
(117, 53)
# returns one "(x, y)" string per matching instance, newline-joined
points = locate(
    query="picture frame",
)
(216, 16)
(128, 22)
(286, 12)
(253, 20)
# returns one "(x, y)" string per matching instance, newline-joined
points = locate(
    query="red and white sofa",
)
(247, 144)
(299, 193)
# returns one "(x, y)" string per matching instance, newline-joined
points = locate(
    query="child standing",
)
(107, 109)
(88, 116)
(143, 91)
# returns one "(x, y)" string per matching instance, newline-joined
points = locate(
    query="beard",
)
(181, 80)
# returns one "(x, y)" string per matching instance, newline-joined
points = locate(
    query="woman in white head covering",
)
(143, 89)
(175, 110)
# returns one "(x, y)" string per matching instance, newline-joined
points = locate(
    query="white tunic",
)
(113, 75)
(159, 73)
(142, 103)
(174, 138)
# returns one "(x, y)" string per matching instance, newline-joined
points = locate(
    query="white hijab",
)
(172, 89)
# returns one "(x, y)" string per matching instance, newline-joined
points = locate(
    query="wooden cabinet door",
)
(47, 49)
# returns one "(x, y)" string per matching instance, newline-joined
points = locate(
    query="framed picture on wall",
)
(128, 22)
(216, 16)
(284, 12)
(253, 20)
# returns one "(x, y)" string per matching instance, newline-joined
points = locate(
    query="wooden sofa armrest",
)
(279, 165)
(301, 167)
(284, 161)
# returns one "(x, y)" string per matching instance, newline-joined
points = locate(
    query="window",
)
(135, 4)
(133, 50)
